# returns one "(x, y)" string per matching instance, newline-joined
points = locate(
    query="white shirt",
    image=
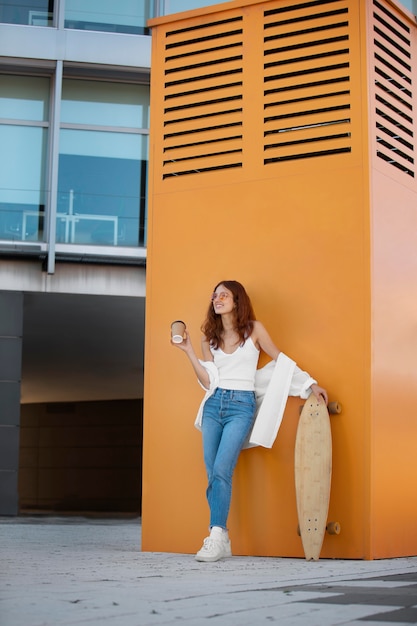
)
(273, 384)
(237, 369)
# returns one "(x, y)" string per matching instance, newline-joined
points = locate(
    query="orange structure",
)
(282, 155)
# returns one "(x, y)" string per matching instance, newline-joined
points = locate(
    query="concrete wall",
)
(76, 278)
(83, 456)
(72, 348)
(74, 46)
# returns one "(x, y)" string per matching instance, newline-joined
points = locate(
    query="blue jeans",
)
(227, 420)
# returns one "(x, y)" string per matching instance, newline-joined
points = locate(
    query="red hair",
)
(212, 327)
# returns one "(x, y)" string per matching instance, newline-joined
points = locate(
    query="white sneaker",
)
(214, 548)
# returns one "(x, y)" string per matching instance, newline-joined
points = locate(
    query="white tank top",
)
(237, 370)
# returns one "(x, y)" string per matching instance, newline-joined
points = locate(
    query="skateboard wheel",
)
(333, 528)
(334, 408)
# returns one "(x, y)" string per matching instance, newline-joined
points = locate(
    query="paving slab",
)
(75, 571)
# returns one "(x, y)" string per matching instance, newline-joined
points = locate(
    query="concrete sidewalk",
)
(66, 571)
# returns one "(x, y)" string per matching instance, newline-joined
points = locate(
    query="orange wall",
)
(393, 212)
(280, 255)
(394, 380)
(297, 234)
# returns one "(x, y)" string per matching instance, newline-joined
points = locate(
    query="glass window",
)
(411, 5)
(103, 163)
(175, 6)
(101, 188)
(167, 7)
(32, 12)
(24, 103)
(22, 176)
(123, 16)
(105, 104)
(24, 98)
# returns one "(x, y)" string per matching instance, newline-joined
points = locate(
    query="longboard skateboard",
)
(313, 471)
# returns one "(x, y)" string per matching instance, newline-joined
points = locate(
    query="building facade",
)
(74, 128)
(74, 125)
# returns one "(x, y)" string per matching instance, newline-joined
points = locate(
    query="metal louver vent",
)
(306, 80)
(203, 98)
(393, 93)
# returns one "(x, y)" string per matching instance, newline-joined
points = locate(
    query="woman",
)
(232, 341)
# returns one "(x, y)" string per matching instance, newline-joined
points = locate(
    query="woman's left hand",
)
(320, 393)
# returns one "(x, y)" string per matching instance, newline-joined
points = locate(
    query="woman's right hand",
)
(185, 344)
(187, 347)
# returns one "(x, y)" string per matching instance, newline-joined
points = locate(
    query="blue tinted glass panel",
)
(123, 16)
(102, 188)
(105, 104)
(32, 12)
(24, 98)
(175, 6)
(411, 5)
(22, 176)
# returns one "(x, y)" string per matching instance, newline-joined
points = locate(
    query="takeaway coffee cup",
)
(177, 331)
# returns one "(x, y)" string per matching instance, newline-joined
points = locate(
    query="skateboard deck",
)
(313, 470)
